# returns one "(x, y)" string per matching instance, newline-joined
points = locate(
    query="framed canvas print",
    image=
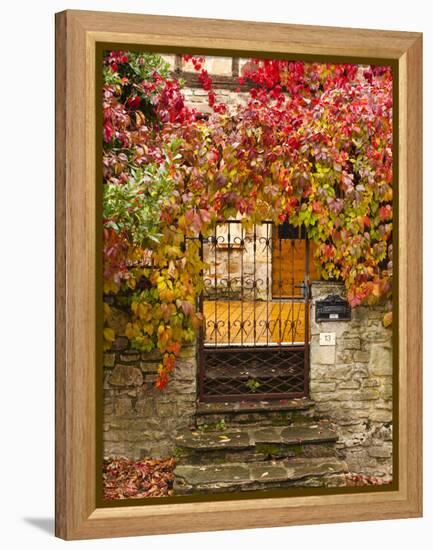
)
(238, 274)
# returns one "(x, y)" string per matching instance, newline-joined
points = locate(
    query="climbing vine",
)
(310, 143)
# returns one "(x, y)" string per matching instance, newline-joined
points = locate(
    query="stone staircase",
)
(245, 446)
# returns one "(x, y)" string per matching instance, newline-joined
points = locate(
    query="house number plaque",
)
(327, 339)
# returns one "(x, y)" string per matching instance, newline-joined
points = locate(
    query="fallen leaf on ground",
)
(150, 477)
(358, 480)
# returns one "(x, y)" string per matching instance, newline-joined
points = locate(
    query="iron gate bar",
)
(307, 318)
(267, 280)
(228, 280)
(201, 373)
(220, 362)
(225, 385)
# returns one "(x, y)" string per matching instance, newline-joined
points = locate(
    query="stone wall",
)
(351, 384)
(139, 419)
(198, 98)
(217, 66)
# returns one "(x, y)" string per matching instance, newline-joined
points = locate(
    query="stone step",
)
(214, 478)
(259, 371)
(264, 413)
(251, 444)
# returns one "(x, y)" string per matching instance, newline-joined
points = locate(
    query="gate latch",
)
(305, 290)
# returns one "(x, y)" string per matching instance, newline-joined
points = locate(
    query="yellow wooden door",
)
(289, 266)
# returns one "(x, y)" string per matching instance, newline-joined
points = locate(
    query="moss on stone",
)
(178, 452)
(268, 449)
(296, 449)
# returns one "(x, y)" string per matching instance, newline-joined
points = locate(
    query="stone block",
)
(345, 356)
(319, 372)
(186, 409)
(381, 416)
(145, 406)
(321, 289)
(108, 407)
(349, 385)
(111, 436)
(120, 343)
(371, 383)
(162, 450)
(355, 426)
(325, 407)
(339, 328)
(387, 405)
(109, 359)
(323, 396)
(361, 356)
(386, 391)
(366, 395)
(164, 410)
(153, 356)
(354, 405)
(125, 375)
(178, 387)
(341, 372)
(128, 424)
(349, 343)
(148, 368)
(134, 436)
(185, 370)
(130, 356)
(106, 383)
(344, 417)
(323, 355)
(364, 413)
(384, 433)
(118, 448)
(219, 65)
(380, 452)
(123, 407)
(360, 372)
(344, 395)
(381, 360)
(316, 387)
(188, 352)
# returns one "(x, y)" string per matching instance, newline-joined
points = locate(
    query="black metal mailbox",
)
(333, 308)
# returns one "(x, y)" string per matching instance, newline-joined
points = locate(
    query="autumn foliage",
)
(312, 144)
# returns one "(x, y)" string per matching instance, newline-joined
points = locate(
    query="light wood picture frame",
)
(78, 34)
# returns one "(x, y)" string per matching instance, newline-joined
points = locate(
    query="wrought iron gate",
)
(255, 340)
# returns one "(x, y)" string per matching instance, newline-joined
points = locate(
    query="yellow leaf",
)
(110, 287)
(148, 328)
(141, 311)
(129, 331)
(387, 319)
(107, 310)
(109, 334)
